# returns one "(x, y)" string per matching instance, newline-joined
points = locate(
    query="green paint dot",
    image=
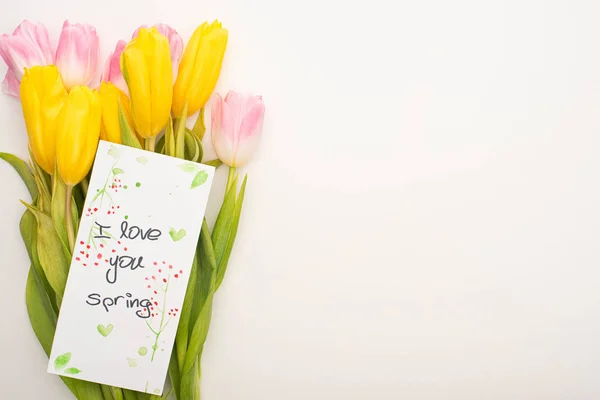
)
(142, 351)
(97, 190)
(124, 186)
(127, 217)
(137, 184)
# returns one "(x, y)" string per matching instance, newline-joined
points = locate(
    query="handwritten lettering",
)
(142, 306)
(133, 232)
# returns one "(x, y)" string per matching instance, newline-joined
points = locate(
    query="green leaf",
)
(24, 172)
(222, 267)
(129, 394)
(51, 252)
(180, 133)
(202, 299)
(42, 180)
(190, 383)
(117, 171)
(72, 371)
(37, 301)
(214, 163)
(127, 136)
(220, 234)
(199, 179)
(183, 329)
(28, 227)
(117, 393)
(193, 147)
(188, 167)
(57, 210)
(88, 390)
(107, 393)
(174, 375)
(199, 129)
(61, 361)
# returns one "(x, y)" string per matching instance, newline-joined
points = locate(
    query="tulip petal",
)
(77, 54)
(10, 85)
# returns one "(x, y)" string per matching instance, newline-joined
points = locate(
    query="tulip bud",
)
(28, 46)
(175, 43)
(110, 98)
(42, 98)
(199, 68)
(78, 134)
(147, 69)
(77, 54)
(236, 126)
(112, 67)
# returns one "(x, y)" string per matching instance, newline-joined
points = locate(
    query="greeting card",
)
(130, 266)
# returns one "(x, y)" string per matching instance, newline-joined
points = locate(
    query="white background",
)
(421, 220)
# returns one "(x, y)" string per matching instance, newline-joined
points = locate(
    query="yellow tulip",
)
(42, 97)
(110, 97)
(199, 68)
(147, 69)
(78, 134)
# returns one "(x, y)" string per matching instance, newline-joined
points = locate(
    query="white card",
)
(133, 255)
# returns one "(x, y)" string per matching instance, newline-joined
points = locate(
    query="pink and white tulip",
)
(77, 54)
(237, 123)
(28, 46)
(175, 43)
(112, 68)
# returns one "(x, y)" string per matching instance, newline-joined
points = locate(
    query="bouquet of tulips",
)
(149, 89)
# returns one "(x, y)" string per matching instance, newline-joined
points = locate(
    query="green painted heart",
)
(105, 330)
(177, 235)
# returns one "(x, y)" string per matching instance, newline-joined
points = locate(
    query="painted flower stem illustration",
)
(164, 275)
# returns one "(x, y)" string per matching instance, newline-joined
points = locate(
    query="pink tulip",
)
(28, 46)
(175, 43)
(112, 68)
(77, 54)
(236, 126)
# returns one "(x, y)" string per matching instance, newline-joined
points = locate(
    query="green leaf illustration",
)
(118, 171)
(199, 179)
(72, 371)
(62, 361)
(132, 362)
(177, 235)
(113, 152)
(105, 330)
(142, 160)
(188, 167)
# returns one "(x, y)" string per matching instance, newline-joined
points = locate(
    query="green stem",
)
(84, 186)
(150, 143)
(68, 217)
(230, 177)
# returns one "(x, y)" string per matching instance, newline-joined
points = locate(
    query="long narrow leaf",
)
(181, 340)
(202, 322)
(232, 234)
(175, 375)
(57, 210)
(220, 234)
(24, 172)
